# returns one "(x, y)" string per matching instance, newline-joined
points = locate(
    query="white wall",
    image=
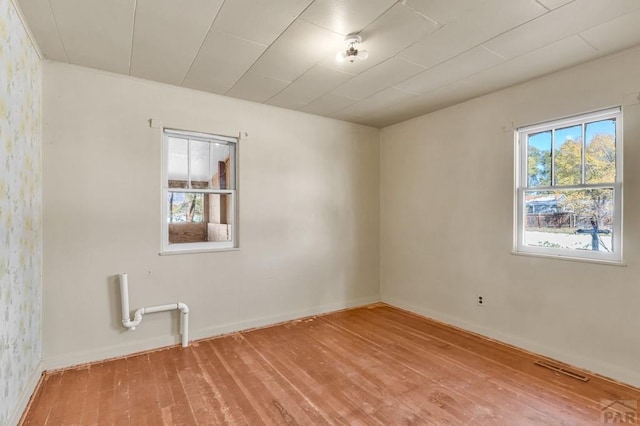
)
(447, 224)
(309, 216)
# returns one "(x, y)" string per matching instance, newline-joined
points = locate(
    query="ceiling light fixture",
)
(352, 53)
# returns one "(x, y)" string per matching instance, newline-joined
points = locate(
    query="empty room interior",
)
(319, 212)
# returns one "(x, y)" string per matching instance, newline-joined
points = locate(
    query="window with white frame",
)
(199, 202)
(569, 187)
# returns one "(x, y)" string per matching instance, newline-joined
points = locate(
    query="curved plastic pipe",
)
(137, 316)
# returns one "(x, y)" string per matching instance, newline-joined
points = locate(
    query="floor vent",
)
(562, 370)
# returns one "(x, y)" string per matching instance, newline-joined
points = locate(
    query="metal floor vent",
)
(562, 370)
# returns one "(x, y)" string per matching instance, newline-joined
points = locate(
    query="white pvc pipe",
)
(137, 316)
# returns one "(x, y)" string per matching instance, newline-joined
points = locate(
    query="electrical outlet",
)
(480, 301)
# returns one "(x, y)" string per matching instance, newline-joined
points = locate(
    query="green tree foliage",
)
(600, 167)
(539, 166)
(600, 159)
(568, 163)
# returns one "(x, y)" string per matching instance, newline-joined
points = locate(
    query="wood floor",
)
(372, 365)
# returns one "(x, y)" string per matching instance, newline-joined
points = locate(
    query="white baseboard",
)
(25, 396)
(595, 366)
(78, 358)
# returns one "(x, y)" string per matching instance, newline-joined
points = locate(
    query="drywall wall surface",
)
(20, 214)
(309, 224)
(447, 205)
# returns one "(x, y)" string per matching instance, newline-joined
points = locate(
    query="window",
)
(569, 187)
(199, 205)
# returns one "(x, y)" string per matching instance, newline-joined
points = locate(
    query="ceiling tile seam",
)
(373, 94)
(272, 43)
(525, 23)
(450, 59)
(451, 83)
(538, 1)
(133, 33)
(356, 31)
(193, 61)
(547, 45)
(478, 45)
(55, 21)
(373, 67)
(392, 56)
(493, 52)
(318, 64)
(587, 41)
(399, 54)
(481, 44)
(417, 12)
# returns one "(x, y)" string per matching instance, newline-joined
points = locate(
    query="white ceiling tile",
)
(311, 85)
(299, 48)
(486, 20)
(378, 78)
(558, 24)
(327, 104)
(375, 104)
(43, 25)
(261, 21)
(441, 11)
(617, 34)
(264, 52)
(440, 98)
(256, 88)
(468, 63)
(167, 37)
(392, 32)
(345, 16)
(553, 4)
(222, 60)
(561, 54)
(96, 33)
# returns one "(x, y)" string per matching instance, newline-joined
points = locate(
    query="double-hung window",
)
(199, 191)
(569, 187)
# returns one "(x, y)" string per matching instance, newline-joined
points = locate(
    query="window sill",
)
(569, 258)
(198, 251)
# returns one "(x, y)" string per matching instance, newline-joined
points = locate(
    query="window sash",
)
(203, 245)
(522, 185)
(166, 247)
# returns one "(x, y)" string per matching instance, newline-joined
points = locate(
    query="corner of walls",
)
(25, 396)
(446, 231)
(20, 214)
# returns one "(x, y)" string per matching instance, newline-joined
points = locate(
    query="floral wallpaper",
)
(20, 210)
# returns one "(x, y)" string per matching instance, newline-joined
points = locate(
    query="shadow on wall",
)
(113, 283)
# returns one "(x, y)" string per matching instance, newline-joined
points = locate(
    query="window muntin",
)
(199, 192)
(569, 188)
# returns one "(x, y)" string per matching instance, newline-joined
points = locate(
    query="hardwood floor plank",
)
(45, 400)
(375, 365)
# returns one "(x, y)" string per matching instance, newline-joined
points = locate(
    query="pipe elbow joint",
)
(131, 325)
(183, 308)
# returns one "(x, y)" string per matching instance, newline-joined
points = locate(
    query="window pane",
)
(220, 217)
(177, 167)
(568, 156)
(570, 219)
(222, 165)
(199, 159)
(539, 159)
(185, 207)
(600, 154)
(199, 217)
